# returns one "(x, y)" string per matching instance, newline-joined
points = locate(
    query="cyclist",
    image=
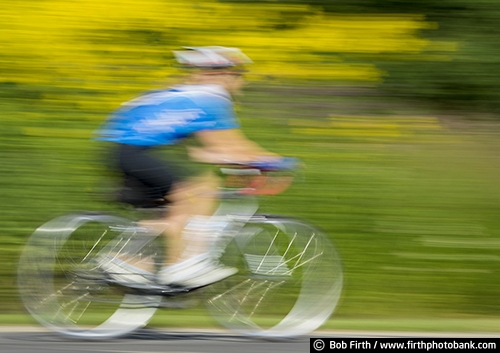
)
(201, 108)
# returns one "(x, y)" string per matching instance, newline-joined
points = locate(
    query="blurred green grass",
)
(198, 319)
(409, 198)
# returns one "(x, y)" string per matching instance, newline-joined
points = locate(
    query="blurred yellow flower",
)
(117, 47)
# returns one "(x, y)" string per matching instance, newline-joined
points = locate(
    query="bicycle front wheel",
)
(62, 288)
(289, 280)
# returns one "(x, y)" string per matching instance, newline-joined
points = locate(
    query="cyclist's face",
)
(232, 81)
(236, 81)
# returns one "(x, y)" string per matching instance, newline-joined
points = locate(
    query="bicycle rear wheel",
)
(60, 283)
(289, 280)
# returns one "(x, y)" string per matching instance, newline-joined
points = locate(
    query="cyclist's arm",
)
(229, 145)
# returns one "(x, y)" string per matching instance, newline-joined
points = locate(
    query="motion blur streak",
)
(392, 107)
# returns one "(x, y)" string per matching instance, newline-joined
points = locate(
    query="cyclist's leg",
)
(187, 197)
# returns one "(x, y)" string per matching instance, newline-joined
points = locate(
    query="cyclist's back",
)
(167, 116)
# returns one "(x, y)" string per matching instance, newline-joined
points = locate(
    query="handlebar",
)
(264, 177)
(280, 164)
(265, 165)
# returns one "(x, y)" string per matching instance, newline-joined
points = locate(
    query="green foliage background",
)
(407, 190)
(469, 83)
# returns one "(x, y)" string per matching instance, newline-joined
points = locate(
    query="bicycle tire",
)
(59, 297)
(289, 280)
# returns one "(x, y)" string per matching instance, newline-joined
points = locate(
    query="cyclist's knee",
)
(195, 189)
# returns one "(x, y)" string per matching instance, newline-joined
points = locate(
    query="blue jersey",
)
(164, 117)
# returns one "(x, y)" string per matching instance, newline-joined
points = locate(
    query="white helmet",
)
(211, 57)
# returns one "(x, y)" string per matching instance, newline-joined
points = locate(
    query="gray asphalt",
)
(39, 340)
(145, 341)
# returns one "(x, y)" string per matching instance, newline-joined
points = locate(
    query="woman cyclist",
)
(202, 109)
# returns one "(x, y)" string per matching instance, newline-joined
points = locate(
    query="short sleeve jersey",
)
(167, 116)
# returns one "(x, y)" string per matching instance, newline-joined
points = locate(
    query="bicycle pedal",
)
(90, 275)
(150, 288)
(179, 302)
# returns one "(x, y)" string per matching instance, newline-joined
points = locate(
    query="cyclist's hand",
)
(275, 163)
(218, 156)
(269, 162)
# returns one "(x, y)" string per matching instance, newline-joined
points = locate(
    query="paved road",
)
(35, 339)
(144, 341)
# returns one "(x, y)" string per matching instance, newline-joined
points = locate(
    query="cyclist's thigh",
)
(139, 163)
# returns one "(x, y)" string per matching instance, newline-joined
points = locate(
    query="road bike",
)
(288, 283)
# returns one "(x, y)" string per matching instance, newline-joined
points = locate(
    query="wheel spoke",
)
(94, 246)
(264, 295)
(305, 249)
(268, 249)
(76, 302)
(290, 271)
(242, 297)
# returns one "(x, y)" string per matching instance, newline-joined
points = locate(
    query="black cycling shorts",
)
(147, 178)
